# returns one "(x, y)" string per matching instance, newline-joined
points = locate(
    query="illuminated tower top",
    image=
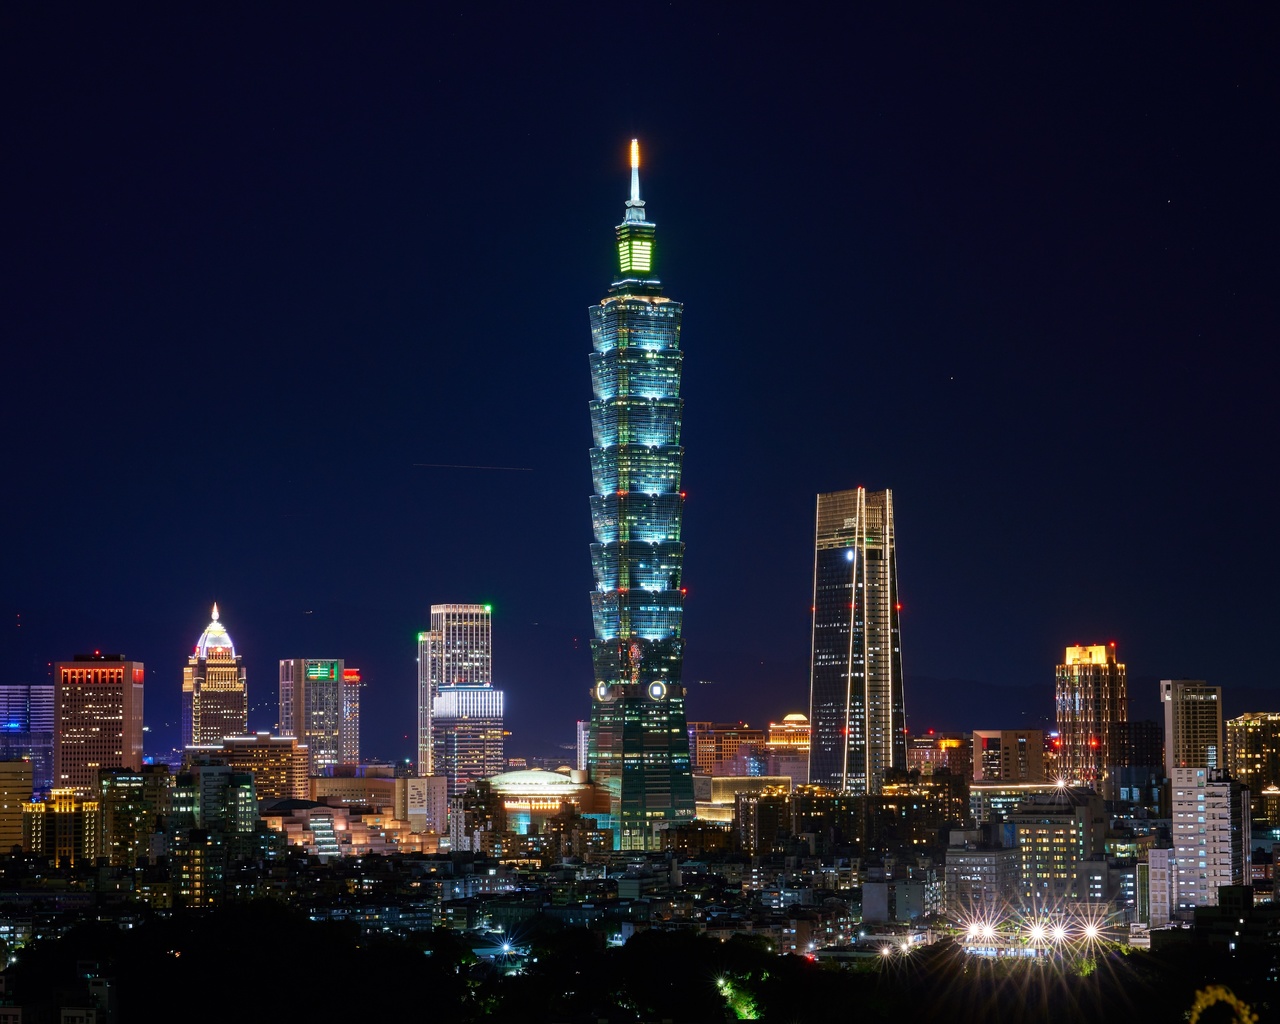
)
(635, 240)
(215, 641)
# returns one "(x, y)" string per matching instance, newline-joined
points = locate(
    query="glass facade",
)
(638, 747)
(857, 714)
(456, 651)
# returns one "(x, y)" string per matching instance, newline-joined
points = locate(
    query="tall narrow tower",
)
(215, 701)
(456, 651)
(856, 709)
(1091, 697)
(638, 749)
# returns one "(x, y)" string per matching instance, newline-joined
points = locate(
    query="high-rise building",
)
(15, 790)
(583, 737)
(97, 719)
(1057, 834)
(64, 827)
(857, 712)
(1008, 755)
(457, 650)
(26, 730)
(1192, 724)
(278, 764)
(352, 684)
(1212, 843)
(133, 807)
(1091, 695)
(639, 747)
(311, 708)
(467, 735)
(1253, 757)
(713, 746)
(215, 701)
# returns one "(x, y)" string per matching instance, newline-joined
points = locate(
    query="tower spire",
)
(635, 205)
(215, 611)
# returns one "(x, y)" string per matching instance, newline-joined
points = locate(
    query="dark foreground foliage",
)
(266, 959)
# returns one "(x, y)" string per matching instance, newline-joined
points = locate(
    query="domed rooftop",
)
(795, 718)
(215, 640)
(533, 780)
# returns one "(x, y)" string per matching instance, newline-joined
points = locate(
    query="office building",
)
(931, 751)
(457, 650)
(856, 711)
(133, 806)
(1136, 774)
(277, 764)
(1253, 758)
(714, 746)
(215, 700)
(467, 735)
(1211, 835)
(1090, 695)
(583, 736)
(787, 749)
(1008, 755)
(63, 828)
(349, 745)
(1058, 835)
(981, 879)
(1192, 724)
(15, 790)
(311, 708)
(97, 719)
(26, 730)
(639, 746)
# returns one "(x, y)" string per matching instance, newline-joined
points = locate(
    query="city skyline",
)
(1057, 286)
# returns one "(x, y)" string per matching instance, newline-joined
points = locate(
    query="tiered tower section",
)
(639, 746)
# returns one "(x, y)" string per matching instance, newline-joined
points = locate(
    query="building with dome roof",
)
(215, 701)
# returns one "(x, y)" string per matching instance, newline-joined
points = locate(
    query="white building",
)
(1211, 837)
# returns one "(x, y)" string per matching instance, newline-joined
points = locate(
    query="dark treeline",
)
(261, 958)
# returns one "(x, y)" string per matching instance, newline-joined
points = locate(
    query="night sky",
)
(1019, 266)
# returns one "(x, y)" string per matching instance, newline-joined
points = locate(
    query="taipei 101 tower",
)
(638, 750)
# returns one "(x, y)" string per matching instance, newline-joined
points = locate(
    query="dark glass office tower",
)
(638, 749)
(856, 712)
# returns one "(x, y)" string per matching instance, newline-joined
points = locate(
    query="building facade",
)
(857, 710)
(349, 741)
(1008, 755)
(457, 650)
(1058, 835)
(133, 807)
(1253, 758)
(1090, 695)
(468, 738)
(1192, 724)
(63, 828)
(277, 764)
(639, 748)
(1211, 835)
(97, 719)
(311, 705)
(15, 790)
(215, 699)
(26, 730)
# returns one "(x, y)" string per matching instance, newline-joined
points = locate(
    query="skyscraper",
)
(467, 735)
(638, 749)
(97, 719)
(856, 707)
(215, 701)
(1192, 724)
(1253, 757)
(352, 684)
(311, 708)
(1091, 696)
(26, 730)
(456, 651)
